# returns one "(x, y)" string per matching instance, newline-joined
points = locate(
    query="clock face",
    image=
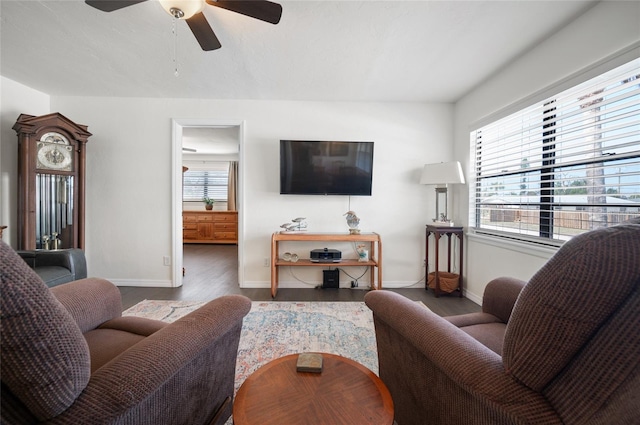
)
(54, 152)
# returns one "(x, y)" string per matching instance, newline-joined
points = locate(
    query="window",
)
(568, 164)
(198, 184)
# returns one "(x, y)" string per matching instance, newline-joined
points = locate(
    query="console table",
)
(374, 262)
(439, 231)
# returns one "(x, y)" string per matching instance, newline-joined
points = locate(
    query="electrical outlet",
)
(166, 260)
(266, 261)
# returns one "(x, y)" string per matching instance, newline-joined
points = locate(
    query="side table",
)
(345, 393)
(439, 231)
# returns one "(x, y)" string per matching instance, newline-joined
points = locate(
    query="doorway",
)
(213, 141)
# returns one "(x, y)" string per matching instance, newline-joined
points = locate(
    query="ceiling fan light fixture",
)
(182, 9)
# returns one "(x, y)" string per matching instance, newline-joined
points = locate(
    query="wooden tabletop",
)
(345, 392)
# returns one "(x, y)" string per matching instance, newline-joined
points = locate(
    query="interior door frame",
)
(177, 125)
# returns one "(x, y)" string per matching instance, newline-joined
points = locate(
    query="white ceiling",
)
(426, 51)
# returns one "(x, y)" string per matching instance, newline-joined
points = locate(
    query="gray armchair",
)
(567, 353)
(56, 267)
(69, 357)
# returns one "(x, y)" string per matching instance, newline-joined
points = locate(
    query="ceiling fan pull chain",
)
(174, 29)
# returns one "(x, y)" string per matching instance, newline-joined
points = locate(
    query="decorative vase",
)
(208, 207)
(352, 221)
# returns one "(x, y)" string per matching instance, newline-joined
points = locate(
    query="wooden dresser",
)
(210, 227)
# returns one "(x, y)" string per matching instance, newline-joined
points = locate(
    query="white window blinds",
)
(198, 184)
(563, 166)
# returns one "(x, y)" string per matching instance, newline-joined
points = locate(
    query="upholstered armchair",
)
(69, 357)
(569, 351)
(56, 267)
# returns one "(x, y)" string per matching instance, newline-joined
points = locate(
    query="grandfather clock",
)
(51, 181)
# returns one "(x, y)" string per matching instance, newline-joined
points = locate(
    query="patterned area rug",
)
(275, 329)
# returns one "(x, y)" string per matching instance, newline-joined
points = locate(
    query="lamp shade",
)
(442, 173)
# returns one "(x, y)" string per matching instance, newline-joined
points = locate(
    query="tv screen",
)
(325, 167)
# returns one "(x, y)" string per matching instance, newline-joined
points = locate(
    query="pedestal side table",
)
(438, 232)
(345, 392)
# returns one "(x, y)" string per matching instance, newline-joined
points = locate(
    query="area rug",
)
(167, 311)
(275, 329)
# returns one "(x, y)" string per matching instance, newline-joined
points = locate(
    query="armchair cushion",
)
(490, 325)
(36, 332)
(116, 336)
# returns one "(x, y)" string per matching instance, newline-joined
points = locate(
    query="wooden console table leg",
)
(437, 265)
(461, 239)
(449, 252)
(426, 261)
(274, 268)
(379, 261)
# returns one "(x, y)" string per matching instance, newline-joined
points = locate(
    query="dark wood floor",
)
(212, 271)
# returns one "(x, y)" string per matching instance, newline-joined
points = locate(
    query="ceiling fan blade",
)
(111, 5)
(260, 9)
(203, 32)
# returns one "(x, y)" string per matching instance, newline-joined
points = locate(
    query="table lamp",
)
(442, 174)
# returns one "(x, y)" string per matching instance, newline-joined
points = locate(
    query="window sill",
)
(522, 246)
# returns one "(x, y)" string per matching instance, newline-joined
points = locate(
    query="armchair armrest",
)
(90, 301)
(428, 362)
(43, 262)
(191, 362)
(500, 297)
(72, 259)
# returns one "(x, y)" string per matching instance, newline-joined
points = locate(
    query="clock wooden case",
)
(51, 181)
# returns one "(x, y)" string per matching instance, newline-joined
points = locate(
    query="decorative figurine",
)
(55, 242)
(363, 253)
(352, 222)
(298, 225)
(45, 241)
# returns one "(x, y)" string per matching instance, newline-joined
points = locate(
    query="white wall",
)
(605, 29)
(129, 179)
(15, 99)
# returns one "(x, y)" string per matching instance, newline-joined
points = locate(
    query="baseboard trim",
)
(362, 284)
(257, 284)
(473, 297)
(145, 283)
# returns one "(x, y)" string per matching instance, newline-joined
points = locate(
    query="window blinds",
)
(565, 165)
(198, 184)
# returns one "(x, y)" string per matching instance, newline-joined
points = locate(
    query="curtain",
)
(232, 187)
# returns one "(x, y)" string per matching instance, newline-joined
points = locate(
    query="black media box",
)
(325, 255)
(330, 278)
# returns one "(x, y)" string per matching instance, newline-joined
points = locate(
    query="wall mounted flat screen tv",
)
(326, 167)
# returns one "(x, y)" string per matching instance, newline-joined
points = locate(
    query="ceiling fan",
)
(191, 12)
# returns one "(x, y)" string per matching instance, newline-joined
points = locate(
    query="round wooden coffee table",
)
(344, 393)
